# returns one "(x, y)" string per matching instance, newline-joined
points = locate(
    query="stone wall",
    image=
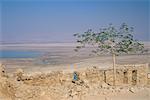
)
(133, 74)
(58, 85)
(125, 75)
(93, 75)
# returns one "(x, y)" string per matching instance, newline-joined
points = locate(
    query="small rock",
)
(132, 90)
(104, 85)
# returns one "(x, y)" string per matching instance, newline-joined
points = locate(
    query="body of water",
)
(19, 54)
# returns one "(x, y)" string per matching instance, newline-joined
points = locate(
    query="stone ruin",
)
(133, 74)
(57, 85)
(125, 75)
(130, 74)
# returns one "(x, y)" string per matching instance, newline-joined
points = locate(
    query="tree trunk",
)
(114, 68)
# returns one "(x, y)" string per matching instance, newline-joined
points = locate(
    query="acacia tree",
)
(110, 40)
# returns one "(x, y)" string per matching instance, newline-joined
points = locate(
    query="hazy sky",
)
(58, 20)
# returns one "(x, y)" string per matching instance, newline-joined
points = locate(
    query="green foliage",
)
(110, 40)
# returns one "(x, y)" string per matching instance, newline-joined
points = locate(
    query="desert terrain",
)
(59, 60)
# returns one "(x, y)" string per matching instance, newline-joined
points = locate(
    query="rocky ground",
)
(58, 85)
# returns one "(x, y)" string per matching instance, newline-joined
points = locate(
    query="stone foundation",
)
(58, 85)
(125, 75)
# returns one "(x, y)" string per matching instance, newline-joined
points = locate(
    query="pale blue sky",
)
(58, 20)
